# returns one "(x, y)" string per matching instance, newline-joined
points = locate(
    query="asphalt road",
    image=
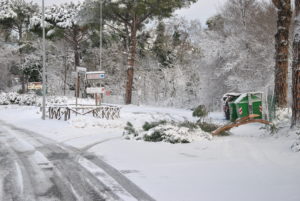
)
(35, 168)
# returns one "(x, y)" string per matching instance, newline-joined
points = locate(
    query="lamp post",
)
(101, 24)
(44, 63)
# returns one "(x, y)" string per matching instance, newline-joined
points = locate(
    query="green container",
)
(242, 106)
(257, 109)
(242, 109)
(233, 114)
(249, 103)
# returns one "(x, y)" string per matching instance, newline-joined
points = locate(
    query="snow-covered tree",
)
(162, 46)
(282, 51)
(133, 15)
(15, 16)
(296, 67)
(66, 22)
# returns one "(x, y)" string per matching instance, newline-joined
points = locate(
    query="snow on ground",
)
(248, 165)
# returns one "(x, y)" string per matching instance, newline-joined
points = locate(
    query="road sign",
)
(95, 75)
(95, 90)
(107, 93)
(35, 85)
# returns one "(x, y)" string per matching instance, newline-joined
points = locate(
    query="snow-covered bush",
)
(129, 131)
(57, 100)
(167, 132)
(200, 112)
(30, 99)
(282, 121)
(15, 98)
(4, 99)
(53, 100)
(147, 126)
(26, 99)
(296, 146)
(175, 134)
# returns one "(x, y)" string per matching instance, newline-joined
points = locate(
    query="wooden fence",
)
(103, 112)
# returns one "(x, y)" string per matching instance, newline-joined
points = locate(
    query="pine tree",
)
(133, 15)
(296, 67)
(65, 20)
(15, 17)
(282, 51)
(160, 47)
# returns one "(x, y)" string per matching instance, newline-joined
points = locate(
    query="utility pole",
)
(100, 58)
(44, 63)
(100, 29)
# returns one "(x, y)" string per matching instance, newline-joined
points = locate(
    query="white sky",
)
(201, 10)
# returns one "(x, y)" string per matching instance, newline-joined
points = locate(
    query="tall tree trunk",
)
(130, 63)
(282, 51)
(296, 68)
(76, 55)
(65, 73)
(22, 76)
(76, 48)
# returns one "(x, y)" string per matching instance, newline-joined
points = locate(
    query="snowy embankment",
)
(248, 165)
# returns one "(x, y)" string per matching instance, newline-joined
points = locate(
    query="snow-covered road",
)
(36, 168)
(248, 165)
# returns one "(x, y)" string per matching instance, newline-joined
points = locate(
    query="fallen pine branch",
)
(242, 121)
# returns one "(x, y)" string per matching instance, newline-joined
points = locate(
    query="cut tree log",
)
(242, 121)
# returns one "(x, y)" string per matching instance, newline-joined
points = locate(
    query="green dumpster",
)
(241, 105)
(257, 109)
(249, 103)
(229, 107)
(242, 109)
(233, 113)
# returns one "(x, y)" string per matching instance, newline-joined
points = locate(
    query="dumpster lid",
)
(232, 94)
(225, 96)
(244, 95)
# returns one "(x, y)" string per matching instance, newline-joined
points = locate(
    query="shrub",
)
(129, 130)
(200, 112)
(273, 129)
(296, 146)
(189, 125)
(39, 92)
(14, 98)
(210, 127)
(156, 136)
(147, 126)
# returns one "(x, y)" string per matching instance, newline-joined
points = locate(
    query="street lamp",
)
(44, 63)
(101, 24)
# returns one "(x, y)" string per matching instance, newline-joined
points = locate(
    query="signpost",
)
(95, 90)
(95, 75)
(79, 71)
(34, 85)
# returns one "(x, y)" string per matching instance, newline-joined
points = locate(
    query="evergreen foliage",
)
(147, 126)
(201, 112)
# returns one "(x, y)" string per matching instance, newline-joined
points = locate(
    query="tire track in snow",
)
(67, 168)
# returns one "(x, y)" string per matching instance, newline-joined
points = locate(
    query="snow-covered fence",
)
(59, 112)
(103, 112)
